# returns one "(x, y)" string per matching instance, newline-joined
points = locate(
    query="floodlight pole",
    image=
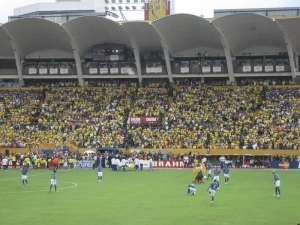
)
(17, 55)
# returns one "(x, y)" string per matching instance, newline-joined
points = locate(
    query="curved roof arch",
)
(147, 40)
(251, 32)
(5, 45)
(91, 30)
(291, 28)
(38, 35)
(184, 32)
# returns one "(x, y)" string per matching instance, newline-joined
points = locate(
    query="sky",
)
(195, 7)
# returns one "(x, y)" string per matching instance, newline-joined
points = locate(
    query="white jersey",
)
(136, 161)
(4, 162)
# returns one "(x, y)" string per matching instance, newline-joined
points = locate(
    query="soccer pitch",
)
(143, 197)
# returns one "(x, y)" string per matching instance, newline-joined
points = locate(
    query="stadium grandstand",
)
(179, 82)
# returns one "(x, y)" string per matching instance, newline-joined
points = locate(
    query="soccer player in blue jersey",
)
(217, 176)
(191, 189)
(277, 184)
(24, 175)
(212, 190)
(226, 174)
(208, 169)
(99, 169)
(53, 181)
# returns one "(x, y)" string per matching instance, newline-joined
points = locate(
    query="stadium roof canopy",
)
(184, 32)
(248, 32)
(145, 35)
(291, 27)
(36, 35)
(91, 30)
(244, 32)
(5, 46)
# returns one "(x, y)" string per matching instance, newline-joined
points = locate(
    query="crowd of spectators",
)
(192, 114)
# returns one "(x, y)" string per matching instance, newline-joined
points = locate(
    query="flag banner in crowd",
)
(142, 119)
(285, 165)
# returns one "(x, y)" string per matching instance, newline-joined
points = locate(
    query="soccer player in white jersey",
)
(277, 184)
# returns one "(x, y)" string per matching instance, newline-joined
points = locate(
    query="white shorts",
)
(277, 183)
(24, 177)
(65, 164)
(192, 189)
(99, 174)
(53, 182)
(208, 171)
(217, 178)
(226, 175)
(212, 192)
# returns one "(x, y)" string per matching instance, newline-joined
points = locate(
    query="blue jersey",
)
(276, 177)
(213, 186)
(200, 175)
(217, 172)
(192, 186)
(99, 168)
(208, 167)
(53, 176)
(226, 170)
(24, 171)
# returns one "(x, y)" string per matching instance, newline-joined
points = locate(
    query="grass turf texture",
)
(145, 197)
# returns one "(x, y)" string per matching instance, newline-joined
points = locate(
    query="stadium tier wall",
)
(181, 151)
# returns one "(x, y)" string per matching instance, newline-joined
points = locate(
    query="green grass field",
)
(145, 197)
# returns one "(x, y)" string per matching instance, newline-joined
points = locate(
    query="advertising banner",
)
(246, 69)
(53, 71)
(217, 69)
(32, 71)
(184, 70)
(142, 119)
(269, 68)
(257, 69)
(103, 70)
(154, 70)
(43, 71)
(93, 70)
(206, 69)
(63, 71)
(279, 68)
